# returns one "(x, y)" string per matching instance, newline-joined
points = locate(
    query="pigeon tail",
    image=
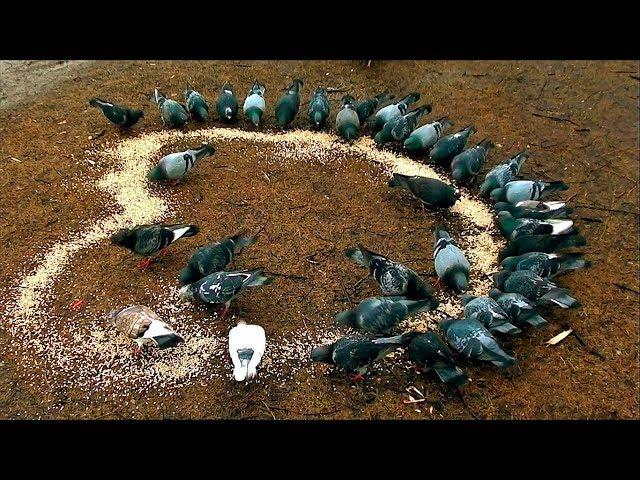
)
(96, 102)
(452, 375)
(257, 279)
(507, 328)
(358, 256)
(242, 241)
(559, 297)
(317, 118)
(572, 261)
(350, 132)
(486, 144)
(201, 113)
(205, 150)
(410, 99)
(228, 113)
(168, 341)
(401, 340)
(554, 187)
(470, 128)
(572, 241)
(534, 320)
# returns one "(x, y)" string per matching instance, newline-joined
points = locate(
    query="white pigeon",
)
(246, 346)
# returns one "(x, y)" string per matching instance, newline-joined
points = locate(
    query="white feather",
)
(246, 336)
(560, 226)
(179, 232)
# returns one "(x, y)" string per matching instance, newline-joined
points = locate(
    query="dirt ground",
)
(578, 119)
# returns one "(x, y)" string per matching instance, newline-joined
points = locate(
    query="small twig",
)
(465, 403)
(624, 287)
(557, 119)
(344, 290)
(593, 207)
(267, 406)
(593, 351)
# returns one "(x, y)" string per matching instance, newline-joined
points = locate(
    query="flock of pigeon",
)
(535, 229)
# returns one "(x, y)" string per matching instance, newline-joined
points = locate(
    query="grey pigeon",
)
(513, 228)
(347, 123)
(466, 165)
(319, 108)
(426, 136)
(503, 173)
(498, 319)
(214, 257)
(520, 309)
(356, 353)
(173, 114)
(519, 190)
(430, 352)
(227, 104)
(546, 265)
(196, 104)
(451, 145)
(287, 107)
(382, 314)
(398, 128)
(254, 104)
(432, 192)
(367, 107)
(534, 209)
(393, 278)
(451, 265)
(541, 243)
(539, 290)
(471, 339)
(392, 110)
(122, 116)
(176, 165)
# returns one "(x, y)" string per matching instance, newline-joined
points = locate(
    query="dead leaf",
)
(558, 338)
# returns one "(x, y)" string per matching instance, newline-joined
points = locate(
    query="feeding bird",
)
(254, 104)
(176, 165)
(426, 136)
(539, 290)
(503, 173)
(196, 104)
(221, 288)
(513, 228)
(287, 107)
(173, 114)
(319, 107)
(347, 123)
(356, 353)
(546, 265)
(534, 209)
(393, 278)
(497, 320)
(471, 339)
(147, 240)
(145, 327)
(367, 107)
(430, 352)
(541, 243)
(227, 104)
(392, 110)
(381, 314)
(246, 347)
(214, 257)
(520, 309)
(122, 116)
(448, 147)
(451, 265)
(466, 165)
(400, 127)
(432, 192)
(519, 190)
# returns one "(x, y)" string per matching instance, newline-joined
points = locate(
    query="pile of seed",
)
(74, 356)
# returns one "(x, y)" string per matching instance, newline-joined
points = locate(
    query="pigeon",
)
(381, 314)
(122, 116)
(355, 353)
(147, 240)
(520, 309)
(503, 173)
(471, 339)
(498, 319)
(426, 136)
(287, 107)
(254, 103)
(519, 190)
(430, 352)
(539, 290)
(147, 329)
(546, 265)
(366, 108)
(466, 165)
(432, 192)
(400, 127)
(196, 104)
(513, 228)
(173, 114)
(534, 209)
(246, 347)
(347, 123)
(220, 288)
(319, 108)
(448, 147)
(392, 110)
(541, 243)
(393, 278)
(176, 165)
(214, 257)
(451, 265)
(227, 104)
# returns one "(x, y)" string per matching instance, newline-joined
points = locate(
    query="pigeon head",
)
(124, 238)
(510, 263)
(322, 354)
(186, 293)
(348, 101)
(320, 91)
(258, 88)
(445, 324)
(458, 173)
(348, 318)
(494, 293)
(111, 316)
(466, 299)
(497, 194)
(503, 206)
(499, 278)
(227, 86)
